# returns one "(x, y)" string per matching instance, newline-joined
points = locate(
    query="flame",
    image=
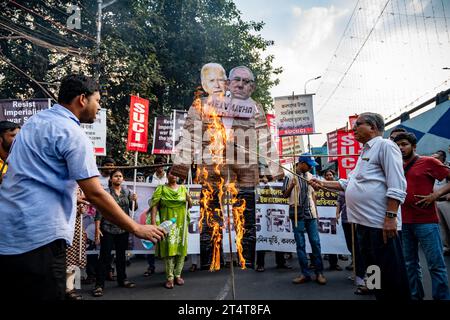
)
(239, 220)
(216, 148)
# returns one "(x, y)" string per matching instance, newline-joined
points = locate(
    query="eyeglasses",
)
(357, 124)
(245, 81)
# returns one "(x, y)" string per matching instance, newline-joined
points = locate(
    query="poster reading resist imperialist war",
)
(19, 111)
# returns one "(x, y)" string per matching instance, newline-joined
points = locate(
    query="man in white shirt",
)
(104, 177)
(160, 176)
(373, 192)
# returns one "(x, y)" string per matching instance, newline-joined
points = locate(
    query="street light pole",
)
(312, 79)
(100, 7)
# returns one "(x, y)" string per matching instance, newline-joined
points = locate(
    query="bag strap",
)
(406, 169)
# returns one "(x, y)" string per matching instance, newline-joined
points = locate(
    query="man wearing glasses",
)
(373, 192)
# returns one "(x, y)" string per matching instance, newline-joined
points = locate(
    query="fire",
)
(238, 218)
(216, 149)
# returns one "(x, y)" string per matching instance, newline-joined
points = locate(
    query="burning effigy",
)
(227, 138)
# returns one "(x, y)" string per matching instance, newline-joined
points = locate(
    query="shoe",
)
(127, 284)
(150, 271)
(169, 284)
(97, 292)
(249, 265)
(72, 295)
(193, 268)
(362, 291)
(320, 279)
(343, 257)
(260, 269)
(301, 279)
(336, 267)
(284, 266)
(179, 281)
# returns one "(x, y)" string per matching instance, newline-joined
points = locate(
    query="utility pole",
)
(100, 7)
(312, 79)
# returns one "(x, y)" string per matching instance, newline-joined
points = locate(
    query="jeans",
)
(427, 235)
(311, 228)
(388, 257)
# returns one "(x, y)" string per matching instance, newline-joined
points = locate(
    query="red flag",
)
(138, 125)
(351, 121)
(346, 144)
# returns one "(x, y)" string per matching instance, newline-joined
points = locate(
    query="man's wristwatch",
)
(391, 214)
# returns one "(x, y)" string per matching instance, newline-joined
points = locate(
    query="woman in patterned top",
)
(108, 234)
(76, 253)
(169, 201)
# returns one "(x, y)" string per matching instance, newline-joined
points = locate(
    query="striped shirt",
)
(305, 202)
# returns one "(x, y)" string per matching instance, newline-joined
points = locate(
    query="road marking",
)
(226, 289)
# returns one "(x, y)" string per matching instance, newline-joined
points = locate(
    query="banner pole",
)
(295, 170)
(353, 252)
(233, 291)
(189, 181)
(134, 183)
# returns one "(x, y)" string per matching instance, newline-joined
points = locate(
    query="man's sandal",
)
(97, 292)
(128, 284)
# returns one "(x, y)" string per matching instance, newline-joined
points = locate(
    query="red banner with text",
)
(138, 125)
(349, 148)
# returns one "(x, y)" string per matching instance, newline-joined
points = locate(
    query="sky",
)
(390, 58)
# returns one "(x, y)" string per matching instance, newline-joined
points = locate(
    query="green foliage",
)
(154, 48)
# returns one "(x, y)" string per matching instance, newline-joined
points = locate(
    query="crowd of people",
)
(52, 178)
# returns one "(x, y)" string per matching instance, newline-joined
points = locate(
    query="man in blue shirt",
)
(50, 155)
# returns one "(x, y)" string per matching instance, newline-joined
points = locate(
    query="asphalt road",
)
(273, 284)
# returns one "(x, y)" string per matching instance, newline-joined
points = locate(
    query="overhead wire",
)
(354, 59)
(5, 59)
(43, 43)
(52, 21)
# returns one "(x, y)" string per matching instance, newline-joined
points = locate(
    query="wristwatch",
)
(391, 214)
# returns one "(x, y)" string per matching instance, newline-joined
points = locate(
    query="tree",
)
(154, 48)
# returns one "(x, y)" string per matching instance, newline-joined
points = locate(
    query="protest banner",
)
(162, 136)
(96, 132)
(179, 118)
(346, 144)
(351, 121)
(138, 124)
(294, 115)
(274, 228)
(229, 107)
(332, 144)
(144, 193)
(19, 111)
